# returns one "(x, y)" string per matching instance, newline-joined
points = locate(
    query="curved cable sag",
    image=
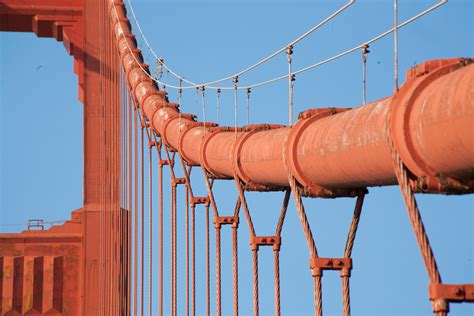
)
(269, 57)
(412, 19)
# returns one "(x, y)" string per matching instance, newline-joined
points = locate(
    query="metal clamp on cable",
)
(226, 220)
(317, 265)
(452, 292)
(256, 241)
(176, 181)
(199, 200)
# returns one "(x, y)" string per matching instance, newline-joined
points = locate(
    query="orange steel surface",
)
(326, 151)
(40, 271)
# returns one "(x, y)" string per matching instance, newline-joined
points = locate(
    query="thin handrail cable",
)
(269, 57)
(412, 19)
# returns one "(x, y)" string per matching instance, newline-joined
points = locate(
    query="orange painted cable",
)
(160, 233)
(150, 186)
(346, 273)
(175, 255)
(208, 269)
(135, 250)
(440, 306)
(186, 215)
(130, 193)
(142, 238)
(218, 269)
(276, 251)
(235, 269)
(193, 259)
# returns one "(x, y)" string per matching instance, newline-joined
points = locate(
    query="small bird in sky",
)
(39, 67)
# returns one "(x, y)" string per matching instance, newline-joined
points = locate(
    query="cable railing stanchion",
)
(235, 81)
(218, 91)
(365, 51)
(289, 53)
(248, 91)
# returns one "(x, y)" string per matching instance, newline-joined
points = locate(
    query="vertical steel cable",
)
(276, 251)
(218, 92)
(248, 105)
(193, 259)
(180, 100)
(160, 227)
(130, 190)
(289, 53)
(235, 81)
(218, 269)
(208, 266)
(440, 306)
(150, 251)
(318, 306)
(235, 268)
(255, 281)
(346, 273)
(244, 205)
(197, 102)
(186, 215)
(203, 91)
(365, 51)
(135, 251)
(276, 266)
(318, 296)
(395, 44)
(142, 235)
(173, 243)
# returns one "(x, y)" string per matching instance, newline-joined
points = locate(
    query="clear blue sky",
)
(41, 141)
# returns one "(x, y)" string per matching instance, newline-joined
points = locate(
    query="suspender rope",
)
(203, 89)
(276, 251)
(310, 240)
(318, 264)
(248, 105)
(218, 222)
(346, 272)
(440, 306)
(130, 185)
(142, 248)
(365, 51)
(135, 250)
(256, 241)
(193, 259)
(160, 228)
(208, 268)
(197, 102)
(235, 81)
(291, 78)
(180, 99)
(187, 249)
(218, 104)
(150, 185)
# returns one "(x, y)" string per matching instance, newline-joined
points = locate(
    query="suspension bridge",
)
(151, 173)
